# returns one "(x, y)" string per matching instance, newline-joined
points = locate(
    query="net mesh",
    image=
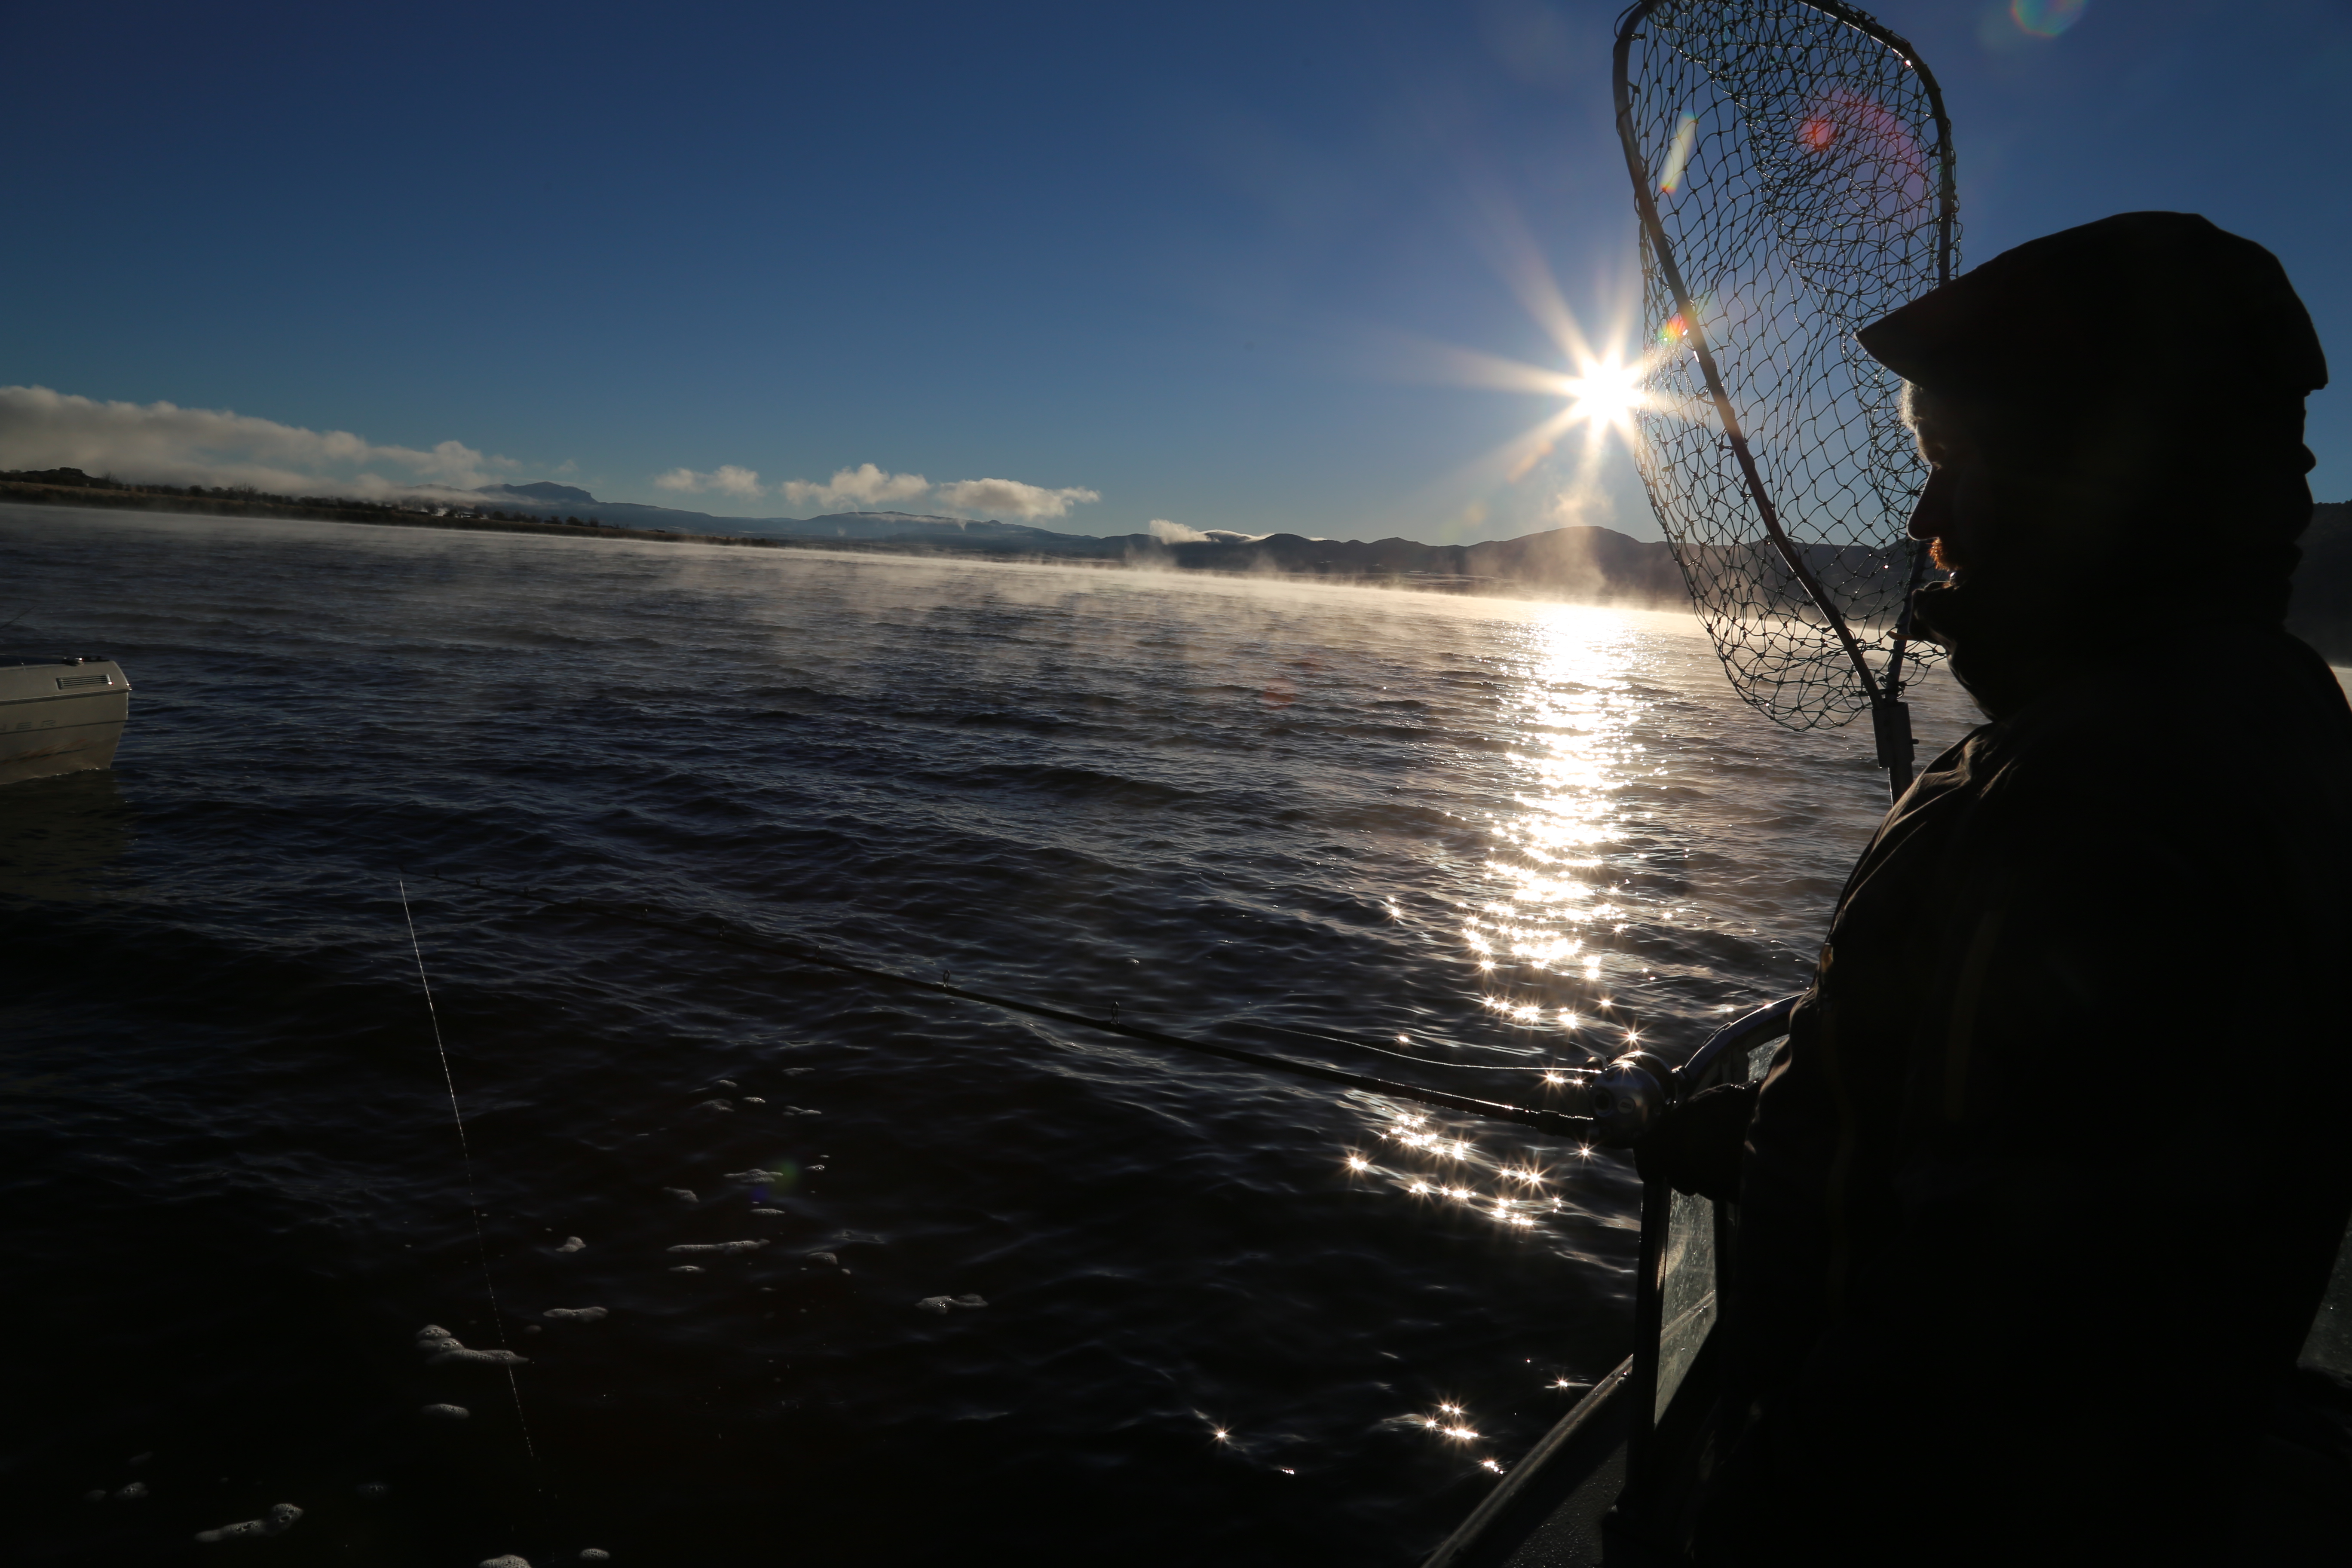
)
(1796, 166)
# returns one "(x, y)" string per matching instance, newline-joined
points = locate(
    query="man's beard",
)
(1997, 620)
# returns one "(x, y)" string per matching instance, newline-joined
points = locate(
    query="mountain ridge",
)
(1588, 561)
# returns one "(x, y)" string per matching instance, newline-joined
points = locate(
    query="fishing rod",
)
(1610, 1106)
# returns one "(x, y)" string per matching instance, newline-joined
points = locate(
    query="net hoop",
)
(1792, 170)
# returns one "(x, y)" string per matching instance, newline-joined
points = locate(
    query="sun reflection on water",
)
(1572, 707)
(1543, 933)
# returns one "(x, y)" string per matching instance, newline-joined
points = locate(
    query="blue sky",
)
(1188, 260)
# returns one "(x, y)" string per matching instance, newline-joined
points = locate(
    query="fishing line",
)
(708, 929)
(473, 1204)
(1538, 1068)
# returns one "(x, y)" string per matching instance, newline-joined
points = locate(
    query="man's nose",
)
(1931, 514)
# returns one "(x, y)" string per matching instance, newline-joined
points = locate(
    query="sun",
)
(1605, 394)
(1597, 381)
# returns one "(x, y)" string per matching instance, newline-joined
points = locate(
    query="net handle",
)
(1654, 228)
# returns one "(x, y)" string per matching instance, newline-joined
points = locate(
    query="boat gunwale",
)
(1598, 1401)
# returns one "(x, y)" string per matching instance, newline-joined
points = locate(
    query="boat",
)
(1616, 1480)
(60, 716)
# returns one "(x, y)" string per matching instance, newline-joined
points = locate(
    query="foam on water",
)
(949, 1304)
(280, 1518)
(724, 1248)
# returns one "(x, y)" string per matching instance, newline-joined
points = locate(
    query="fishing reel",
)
(1628, 1097)
(1625, 1098)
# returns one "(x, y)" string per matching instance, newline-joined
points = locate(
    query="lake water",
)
(1222, 1309)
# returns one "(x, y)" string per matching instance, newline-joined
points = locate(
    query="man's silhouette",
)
(2039, 1198)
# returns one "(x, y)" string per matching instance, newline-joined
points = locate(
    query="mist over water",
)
(1011, 1280)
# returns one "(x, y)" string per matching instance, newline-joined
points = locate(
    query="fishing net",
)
(1793, 164)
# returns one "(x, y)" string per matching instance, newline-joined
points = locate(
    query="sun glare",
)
(1606, 394)
(1596, 382)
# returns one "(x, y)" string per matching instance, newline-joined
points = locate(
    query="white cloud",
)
(1169, 532)
(1011, 498)
(161, 443)
(726, 479)
(867, 488)
(864, 487)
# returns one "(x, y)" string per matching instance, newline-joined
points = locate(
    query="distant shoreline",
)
(257, 507)
(110, 496)
(1569, 565)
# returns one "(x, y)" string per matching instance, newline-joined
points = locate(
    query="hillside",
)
(568, 500)
(1592, 563)
(1583, 563)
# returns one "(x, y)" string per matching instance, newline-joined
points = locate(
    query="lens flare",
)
(1670, 178)
(2046, 19)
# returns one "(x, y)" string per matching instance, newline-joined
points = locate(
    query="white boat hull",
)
(60, 717)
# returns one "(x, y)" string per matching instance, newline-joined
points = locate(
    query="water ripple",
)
(1485, 834)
